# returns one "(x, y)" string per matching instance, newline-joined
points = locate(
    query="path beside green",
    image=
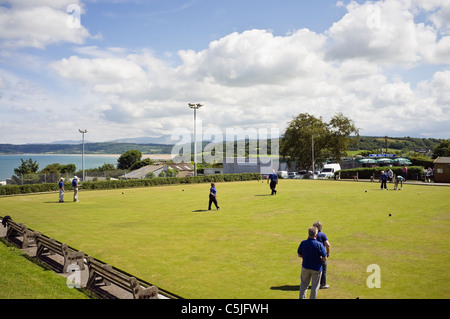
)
(166, 236)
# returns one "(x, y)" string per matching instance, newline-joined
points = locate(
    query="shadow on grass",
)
(286, 288)
(200, 210)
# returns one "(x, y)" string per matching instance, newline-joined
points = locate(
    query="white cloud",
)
(257, 56)
(382, 32)
(38, 24)
(255, 79)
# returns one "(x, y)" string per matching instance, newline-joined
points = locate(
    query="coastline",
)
(8, 162)
(153, 156)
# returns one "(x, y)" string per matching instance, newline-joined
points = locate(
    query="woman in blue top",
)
(213, 196)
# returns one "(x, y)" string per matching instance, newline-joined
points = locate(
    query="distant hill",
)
(89, 148)
(366, 143)
(164, 139)
(398, 143)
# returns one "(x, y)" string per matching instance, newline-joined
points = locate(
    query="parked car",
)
(293, 175)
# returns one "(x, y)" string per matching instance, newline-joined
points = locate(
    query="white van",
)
(283, 174)
(328, 170)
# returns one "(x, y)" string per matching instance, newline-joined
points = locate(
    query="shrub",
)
(414, 172)
(112, 184)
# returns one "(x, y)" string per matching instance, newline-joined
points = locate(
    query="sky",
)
(128, 68)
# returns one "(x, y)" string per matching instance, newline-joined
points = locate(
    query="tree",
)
(298, 139)
(52, 172)
(442, 149)
(26, 173)
(142, 163)
(340, 129)
(106, 167)
(307, 136)
(127, 159)
(27, 167)
(67, 169)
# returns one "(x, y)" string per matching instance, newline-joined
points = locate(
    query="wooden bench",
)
(20, 230)
(51, 246)
(375, 177)
(100, 272)
(348, 175)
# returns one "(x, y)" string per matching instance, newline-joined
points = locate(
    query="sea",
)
(9, 162)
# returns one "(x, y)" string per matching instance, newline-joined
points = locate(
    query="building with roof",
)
(262, 165)
(442, 170)
(183, 170)
(144, 171)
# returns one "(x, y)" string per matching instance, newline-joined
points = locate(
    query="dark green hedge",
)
(414, 172)
(112, 184)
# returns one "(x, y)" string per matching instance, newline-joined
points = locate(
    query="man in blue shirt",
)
(213, 196)
(322, 238)
(273, 178)
(61, 190)
(313, 254)
(75, 186)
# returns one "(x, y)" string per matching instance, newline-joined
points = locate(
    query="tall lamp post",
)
(82, 154)
(195, 106)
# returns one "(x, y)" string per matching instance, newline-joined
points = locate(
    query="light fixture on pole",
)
(82, 154)
(195, 106)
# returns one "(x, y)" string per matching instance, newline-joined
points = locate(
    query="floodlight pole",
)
(195, 106)
(312, 152)
(82, 154)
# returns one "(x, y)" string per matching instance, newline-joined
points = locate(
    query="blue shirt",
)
(312, 252)
(61, 184)
(273, 177)
(74, 183)
(321, 237)
(213, 191)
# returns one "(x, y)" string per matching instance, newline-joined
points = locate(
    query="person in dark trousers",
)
(313, 254)
(273, 179)
(213, 196)
(383, 179)
(322, 238)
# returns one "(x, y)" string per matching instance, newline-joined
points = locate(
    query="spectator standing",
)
(383, 179)
(428, 174)
(61, 190)
(75, 185)
(213, 196)
(273, 179)
(322, 238)
(404, 172)
(313, 254)
(390, 174)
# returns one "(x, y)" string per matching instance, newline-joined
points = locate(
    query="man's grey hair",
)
(312, 231)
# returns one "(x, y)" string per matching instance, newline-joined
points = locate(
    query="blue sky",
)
(129, 68)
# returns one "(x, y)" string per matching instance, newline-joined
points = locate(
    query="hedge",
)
(112, 184)
(414, 172)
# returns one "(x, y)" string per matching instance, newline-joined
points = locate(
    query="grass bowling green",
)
(248, 249)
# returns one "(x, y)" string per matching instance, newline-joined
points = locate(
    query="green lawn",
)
(23, 279)
(248, 249)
